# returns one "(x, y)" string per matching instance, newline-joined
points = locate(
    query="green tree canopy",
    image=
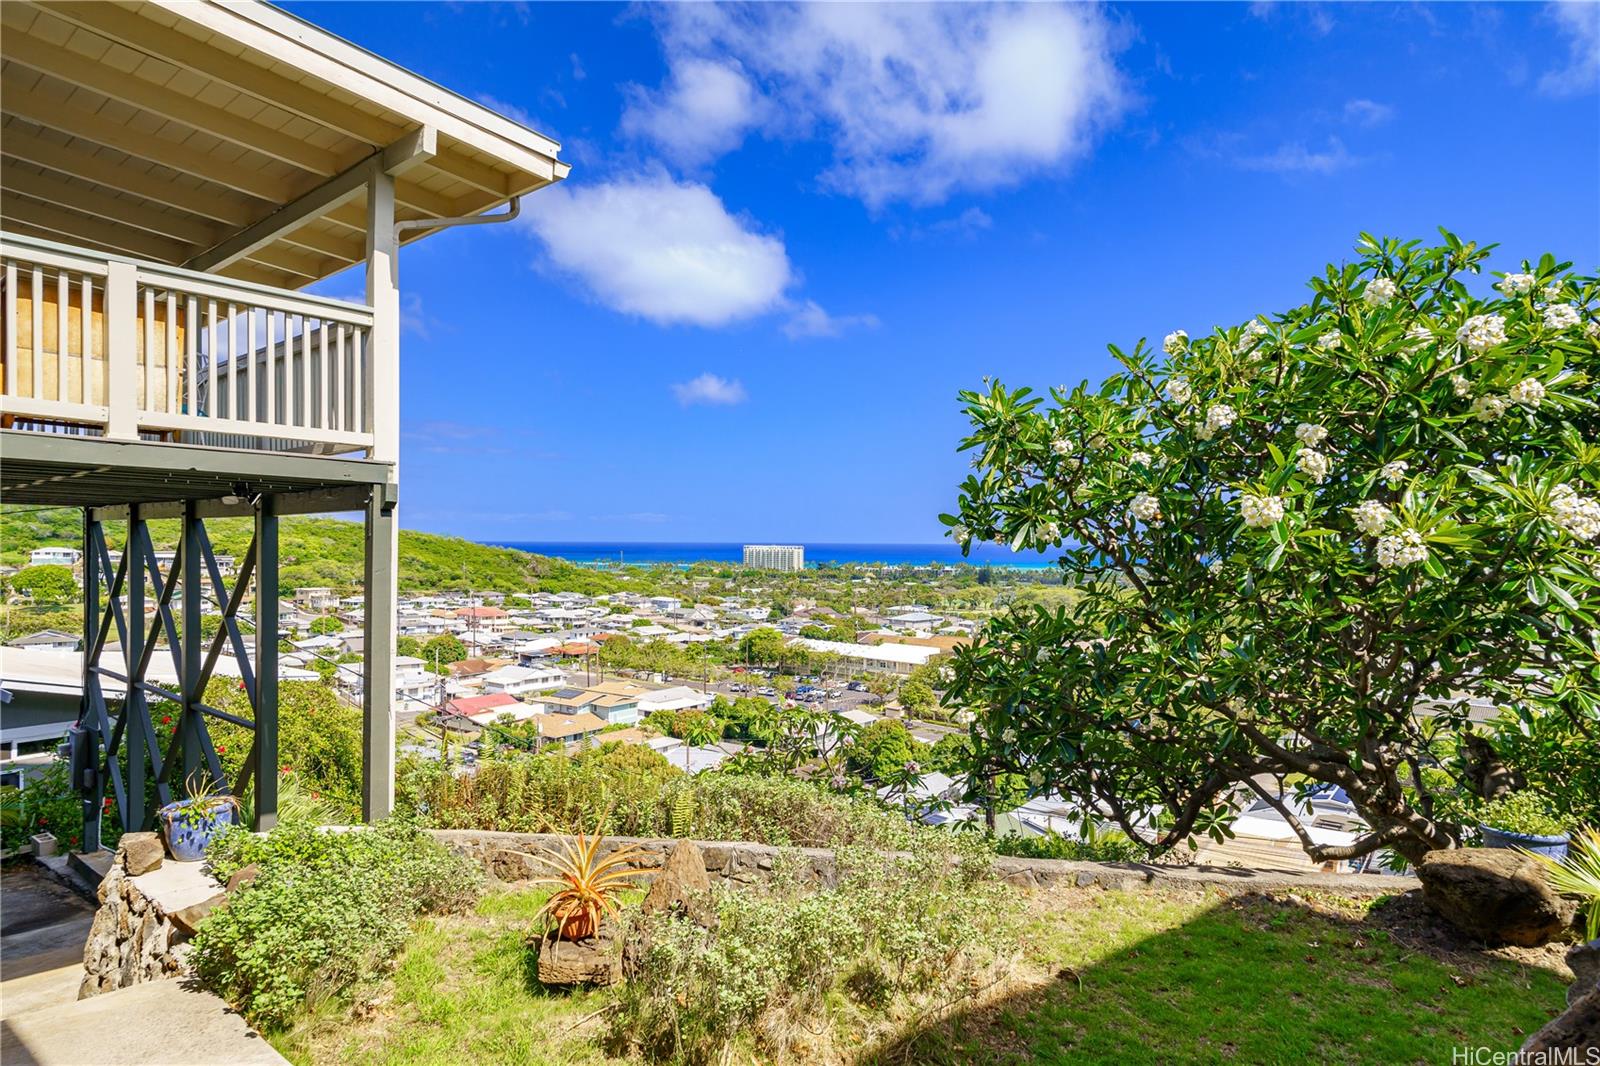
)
(1300, 542)
(326, 624)
(445, 647)
(46, 584)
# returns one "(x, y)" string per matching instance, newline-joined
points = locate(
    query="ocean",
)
(649, 553)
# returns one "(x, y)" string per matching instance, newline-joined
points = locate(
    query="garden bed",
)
(1101, 976)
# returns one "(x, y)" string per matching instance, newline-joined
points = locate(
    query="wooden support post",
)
(266, 709)
(377, 683)
(122, 355)
(383, 296)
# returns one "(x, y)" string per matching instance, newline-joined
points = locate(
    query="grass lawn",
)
(1124, 977)
(1105, 977)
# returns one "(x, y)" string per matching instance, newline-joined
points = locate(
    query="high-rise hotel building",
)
(775, 556)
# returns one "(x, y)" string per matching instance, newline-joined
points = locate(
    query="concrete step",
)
(170, 1023)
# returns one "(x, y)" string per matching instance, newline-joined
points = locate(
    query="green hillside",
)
(327, 551)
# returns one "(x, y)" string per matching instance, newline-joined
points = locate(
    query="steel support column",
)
(193, 680)
(93, 790)
(266, 717)
(133, 651)
(377, 682)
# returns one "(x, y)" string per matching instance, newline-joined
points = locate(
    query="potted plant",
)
(190, 824)
(1578, 874)
(589, 884)
(1523, 820)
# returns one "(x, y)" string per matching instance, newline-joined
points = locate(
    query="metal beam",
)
(399, 157)
(377, 682)
(93, 796)
(265, 745)
(192, 680)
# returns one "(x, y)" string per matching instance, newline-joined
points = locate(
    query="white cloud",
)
(703, 113)
(1579, 23)
(811, 320)
(664, 250)
(1296, 158)
(918, 101)
(708, 388)
(1367, 112)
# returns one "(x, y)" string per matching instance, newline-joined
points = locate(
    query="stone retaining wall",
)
(508, 857)
(149, 908)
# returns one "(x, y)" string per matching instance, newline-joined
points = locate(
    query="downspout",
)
(406, 225)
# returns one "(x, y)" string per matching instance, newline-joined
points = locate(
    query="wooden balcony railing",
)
(102, 345)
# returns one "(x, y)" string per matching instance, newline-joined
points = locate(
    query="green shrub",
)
(1526, 811)
(1098, 846)
(327, 909)
(779, 959)
(629, 790)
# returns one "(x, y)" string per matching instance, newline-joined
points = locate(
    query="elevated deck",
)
(55, 469)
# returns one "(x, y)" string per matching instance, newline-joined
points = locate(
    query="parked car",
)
(857, 686)
(767, 692)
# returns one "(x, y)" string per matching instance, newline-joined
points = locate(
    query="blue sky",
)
(791, 235)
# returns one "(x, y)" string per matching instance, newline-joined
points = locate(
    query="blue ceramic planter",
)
(187, 837)
(1554, 847)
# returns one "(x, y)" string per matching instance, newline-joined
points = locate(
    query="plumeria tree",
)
(1304, 543)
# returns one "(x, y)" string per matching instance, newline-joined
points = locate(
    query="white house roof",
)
(907, 654)
(232, 137)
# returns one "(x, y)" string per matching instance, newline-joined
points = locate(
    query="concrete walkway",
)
(43, 926)
(158, 1023)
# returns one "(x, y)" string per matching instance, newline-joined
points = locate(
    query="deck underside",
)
(48, 469)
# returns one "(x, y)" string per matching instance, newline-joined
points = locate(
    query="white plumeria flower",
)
(961, 535)
(1261, 511)
(1554, 291)
(1141, 459)
(1528, 391)
(1371, 517)
(1591, 329)
(1560, 317)
(1313, 464)
(1395, 471)
(1050, 532)
(1178, 390)
(1379, 292)
(1401, 549)
(1419, 335)
(1578, 515)
(1330, 340)
(1220, 416)
(1489, 408)
(1254, 330)
(1516, 284)
(1309, 434)
(1462, 387)
(1482, 332)
(1060, 446)
(1146, 508)
(1175, 342)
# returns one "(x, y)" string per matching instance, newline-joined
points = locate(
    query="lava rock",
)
(1495, 894)
(682, 886)
(1584, 962)
(565, 963)
(139, 853)
(1575, 1030)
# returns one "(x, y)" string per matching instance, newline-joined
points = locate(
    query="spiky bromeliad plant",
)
(588, 882)
(1300, 545)
(1579, 875)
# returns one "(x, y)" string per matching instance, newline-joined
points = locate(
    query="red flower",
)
(166, 720)
(221, 750)
(316, 795)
